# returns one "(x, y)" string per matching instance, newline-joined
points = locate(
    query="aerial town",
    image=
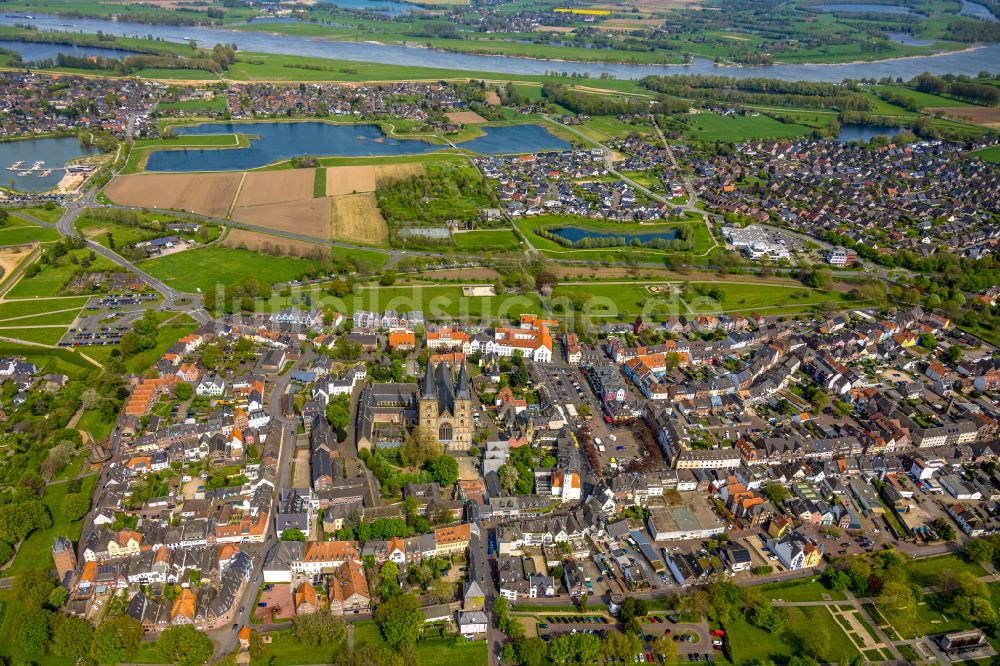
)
(492, 371)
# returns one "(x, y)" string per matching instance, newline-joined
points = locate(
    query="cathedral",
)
(446, 406)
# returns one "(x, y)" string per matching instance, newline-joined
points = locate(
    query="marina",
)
(38, 165)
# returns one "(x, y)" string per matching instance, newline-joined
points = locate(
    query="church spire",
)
(462, 391)
(429, 391)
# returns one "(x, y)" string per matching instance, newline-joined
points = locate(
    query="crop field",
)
(357, 218)
(308, 217)
(271, 187)
(365, 178)
(988, 116)
(208, 194)
(465, 117)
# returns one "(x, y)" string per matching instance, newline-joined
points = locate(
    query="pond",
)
(969, 62)
(862, 8)
(36, 51)
(274, 142)
(53, 153)
(515, 139)
(576, 234)
(908, 39)
(977, 10)
(850, 133)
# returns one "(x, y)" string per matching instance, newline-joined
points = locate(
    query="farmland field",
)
(208, 194)
(365, 178)
(272, 187)
(308, 217)
(268, 244)
(357, 218)
(977, 115)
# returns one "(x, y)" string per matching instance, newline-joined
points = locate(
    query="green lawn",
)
(36, 551)
(34, 309)
(748, 643)
(991, 154)
(50, 215)
(923, 571)
(95, 424)
(204, 268)
(799, 590)
(19, 230)
(214, 105)
(487, 239)
(49, 335)
(923, 100)
(765, 298)
(736, 129)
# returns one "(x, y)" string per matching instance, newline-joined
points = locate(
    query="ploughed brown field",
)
(358, 179)
(465, 117)
(268, 244)
(207, 194)
(271, 187)
(978, 115)
(308, 217)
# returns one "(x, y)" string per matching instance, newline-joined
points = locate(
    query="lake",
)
(850, 133)
(385, 7)
(576, 234)
(515, 139)
(277, 141)
(459, 64)
(908, 39)
(977, 10)
(861, 8)
(281, 141)
(35, 51)
(55, 152)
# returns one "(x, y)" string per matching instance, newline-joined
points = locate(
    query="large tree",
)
(184, 645)
(116, 640)
(400, 620)
(420, 447)
(71, 637)
(33, 633)
(620, 647)
(321, 629)
(444, 469)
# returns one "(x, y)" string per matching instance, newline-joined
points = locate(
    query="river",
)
(36, 51)
(963, 62)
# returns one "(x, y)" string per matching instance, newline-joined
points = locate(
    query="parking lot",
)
(106, 319)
